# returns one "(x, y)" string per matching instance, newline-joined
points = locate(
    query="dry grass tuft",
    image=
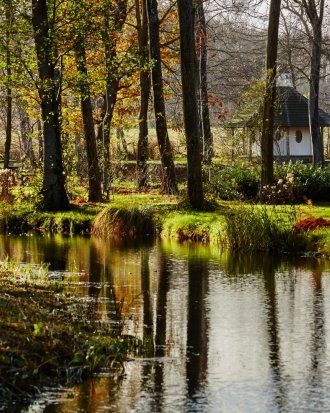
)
(121, 222)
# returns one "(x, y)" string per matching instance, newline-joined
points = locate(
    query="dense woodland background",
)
(81, 82)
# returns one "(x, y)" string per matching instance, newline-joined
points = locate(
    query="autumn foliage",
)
(311, 223)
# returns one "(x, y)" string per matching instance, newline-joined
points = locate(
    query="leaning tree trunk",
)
(169, 185)
(53, 191)
(94, 175)
(267, 136)
(190, 108)
(145, 86)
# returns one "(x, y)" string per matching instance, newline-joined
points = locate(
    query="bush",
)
(311, 181)
(231, 183)
(282, 192)
(293, 182)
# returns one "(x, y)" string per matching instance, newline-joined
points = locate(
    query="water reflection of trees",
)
(316, 328)
(273, 332)
(278, 283)
(318, 339)
(197, 327)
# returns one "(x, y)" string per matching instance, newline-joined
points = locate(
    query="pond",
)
(227, 333)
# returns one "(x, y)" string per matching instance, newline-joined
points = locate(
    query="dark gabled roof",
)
(291, 110)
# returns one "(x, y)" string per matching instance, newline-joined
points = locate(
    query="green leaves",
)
(38, 329)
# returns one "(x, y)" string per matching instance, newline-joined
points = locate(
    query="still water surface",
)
(230, 334)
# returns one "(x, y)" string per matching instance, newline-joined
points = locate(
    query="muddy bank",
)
(46, 339)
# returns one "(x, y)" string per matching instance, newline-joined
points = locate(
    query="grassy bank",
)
(233, 225)
(22, 219)
(236, 226)
(45, 339)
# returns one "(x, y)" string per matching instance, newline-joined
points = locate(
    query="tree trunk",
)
(205, 113)
(314, 91)
(112, 82)
(54, 193)
(169, 185)
(26, 142)
(145, 86)
(316, 20)
(94, 175)
(267, 137)
(40, 141)
(9, 98)
(190, 109)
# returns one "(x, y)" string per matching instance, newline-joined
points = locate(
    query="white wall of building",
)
(289, 145)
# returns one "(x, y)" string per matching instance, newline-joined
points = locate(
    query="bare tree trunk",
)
(314, 10)
(316, 20)
(169, 185)
(112, 82)
(54, 194)
(267, 137)
(145, 86)
(26, 142)
(9, 97)
(314, 91)
(40, 141)
(94, 175)
(205, 113)
(190, 109)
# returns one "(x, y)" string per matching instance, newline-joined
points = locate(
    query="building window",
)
(298, 136)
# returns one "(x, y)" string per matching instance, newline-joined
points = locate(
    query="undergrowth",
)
(258, 228)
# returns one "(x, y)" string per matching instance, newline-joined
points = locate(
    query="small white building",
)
(292, 138)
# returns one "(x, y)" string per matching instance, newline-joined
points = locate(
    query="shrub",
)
(293, 182)
(282, 192)
(231, 183)
(311, 181)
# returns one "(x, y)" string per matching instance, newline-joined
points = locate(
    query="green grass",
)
(238, 226)
(192, 225)
(321, 209)
(24, 218)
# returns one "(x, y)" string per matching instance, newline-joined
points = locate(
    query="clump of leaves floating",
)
(130, 223)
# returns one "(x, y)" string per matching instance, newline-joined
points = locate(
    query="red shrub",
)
(308, 224)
